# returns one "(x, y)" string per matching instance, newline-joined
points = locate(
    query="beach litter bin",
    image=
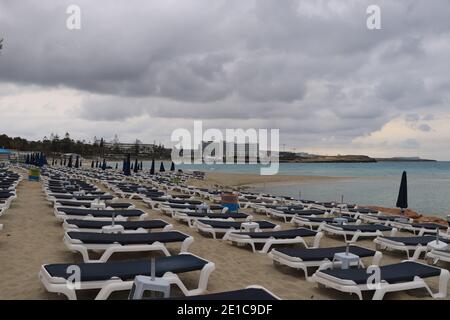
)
(34, 174)
(231, 201)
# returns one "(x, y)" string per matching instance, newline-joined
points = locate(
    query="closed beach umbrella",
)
(117, 165)
(161, 168)
(77, 162)
(27, 159)
(81, 164)
(124, 164)
(402, 200)
(70, 164)
(65, 162)
(136, 166)
(92, 164)
(172, 167)
(127, 170)
(152, 169)
(97, 163)
(142, 166)
(53, 162)
(61, 162)
(104, 164)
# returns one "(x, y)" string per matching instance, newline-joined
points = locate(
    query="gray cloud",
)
(310, 68)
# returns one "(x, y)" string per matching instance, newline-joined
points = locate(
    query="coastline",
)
(243, 181)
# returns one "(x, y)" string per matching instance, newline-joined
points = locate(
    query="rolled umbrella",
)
(124, 164)
(65, 162)
(127, 170)
(27, 159)
(70, 162)
(61, 162)
(172, 167)
(117, 165)
(81, 164)
(161, 168)
(142, 166)
(402, 200)
(77, 162)
(104, 164)
(92, 164)
(136, 166)
(97, 163)
(152, 169)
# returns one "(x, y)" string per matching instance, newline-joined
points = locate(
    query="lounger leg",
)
(417, 253)
(108, 289)
(443, 284)
(317, 240)
(186, 244)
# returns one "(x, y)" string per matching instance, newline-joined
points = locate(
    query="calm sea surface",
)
(367, 183)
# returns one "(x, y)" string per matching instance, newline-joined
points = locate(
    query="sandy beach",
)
(245, 180)
(32, 237)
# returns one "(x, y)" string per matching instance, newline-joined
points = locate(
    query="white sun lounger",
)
(406, 275)
(302, 259)
(63, 213)
(416, 244)
(357, 231)
(271, 238)
(140, 226)
(119, 276)
(109, 244)
(215, 227)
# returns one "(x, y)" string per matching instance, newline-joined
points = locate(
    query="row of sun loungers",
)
(312, 219)
(9, 181)
(84, 235)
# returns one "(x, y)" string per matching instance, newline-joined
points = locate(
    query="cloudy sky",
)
(312, 69)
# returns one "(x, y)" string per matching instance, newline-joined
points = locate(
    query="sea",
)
(361, 183)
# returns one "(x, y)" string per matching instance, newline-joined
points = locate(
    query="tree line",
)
(56, 145)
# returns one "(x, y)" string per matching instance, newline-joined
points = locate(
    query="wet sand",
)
(32, 236)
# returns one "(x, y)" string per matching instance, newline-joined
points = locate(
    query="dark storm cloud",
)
(310, 68)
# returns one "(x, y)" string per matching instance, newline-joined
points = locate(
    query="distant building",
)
(240, 152)
(131, 147)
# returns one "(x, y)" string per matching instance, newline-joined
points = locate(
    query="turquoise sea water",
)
(364, 183)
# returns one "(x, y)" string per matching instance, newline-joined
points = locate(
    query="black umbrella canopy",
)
(161, 168)
(402, 200)
(172, 167)
(152, 169)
